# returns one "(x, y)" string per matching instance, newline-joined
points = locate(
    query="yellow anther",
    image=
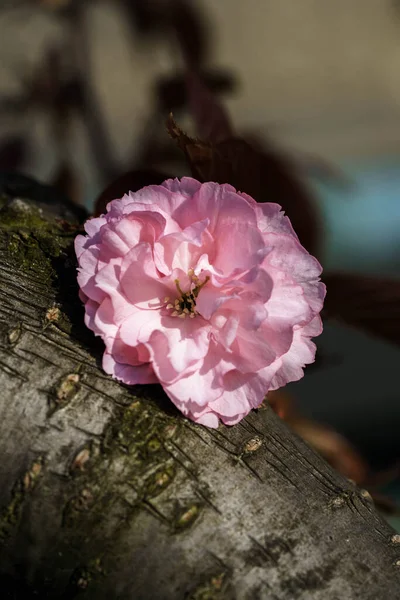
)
(185, 304)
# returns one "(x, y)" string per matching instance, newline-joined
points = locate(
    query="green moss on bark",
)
(130, 465)
(32, 241)
(212, 589)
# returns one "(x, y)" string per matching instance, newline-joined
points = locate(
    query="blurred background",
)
(85, 89)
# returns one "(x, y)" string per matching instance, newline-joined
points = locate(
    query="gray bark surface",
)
(107, 493)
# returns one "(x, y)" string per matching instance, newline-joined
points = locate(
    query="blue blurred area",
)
(356, 391)
(362, 217)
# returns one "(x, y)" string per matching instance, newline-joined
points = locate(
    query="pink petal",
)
(127, 354)
(152, 223)
(185, 186)
(251, 352)
(120, 237)
(180, 249)
(86, 274)
(219, 203)
(104, 323)
(80, 244)
(225, 327)
(139, 327)
(210, 299)
(271, 219)
(158, 197)
(241, 394)
(146, 328)
(184, 341)
(188, 342)
(116, 207)
(209, 419)
(301, 353)
(238, 245)
(288, 303)
(196, 389)
(191, 392)
(130, 375)
(289, 256)
(90, 312)
(139, 279)
(108, 281)
(93, 225)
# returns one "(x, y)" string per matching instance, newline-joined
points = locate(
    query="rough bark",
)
(106, 492)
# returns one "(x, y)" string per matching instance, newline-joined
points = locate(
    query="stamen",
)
(198, 287)
(178, 287)
(185, 304)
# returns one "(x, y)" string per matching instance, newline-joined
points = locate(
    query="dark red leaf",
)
(210, 117)
(172, 91)
(267, 176)
(369, 303)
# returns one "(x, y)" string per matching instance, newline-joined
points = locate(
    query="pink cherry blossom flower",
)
(200, 288)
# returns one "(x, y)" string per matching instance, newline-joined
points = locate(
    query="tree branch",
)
(107, 489)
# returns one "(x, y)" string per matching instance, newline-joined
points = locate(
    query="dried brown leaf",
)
(333, 447)
(330, 444)
(282, 403)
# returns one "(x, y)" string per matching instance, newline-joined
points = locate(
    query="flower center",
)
(185, 305)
